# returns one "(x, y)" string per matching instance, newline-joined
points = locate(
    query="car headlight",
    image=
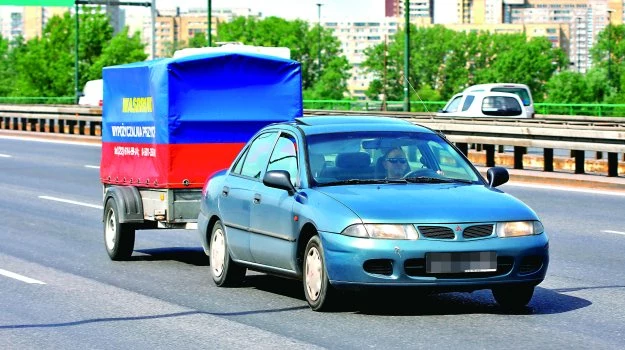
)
(519, 228)
(383, 231)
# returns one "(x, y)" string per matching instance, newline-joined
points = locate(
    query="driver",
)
(395, 163)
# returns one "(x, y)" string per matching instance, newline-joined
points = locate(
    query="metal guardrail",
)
(548, 132)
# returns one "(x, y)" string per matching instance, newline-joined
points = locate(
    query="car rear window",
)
(522, 93)
(501, 106)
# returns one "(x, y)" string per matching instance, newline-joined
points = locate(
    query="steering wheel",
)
(427, 172)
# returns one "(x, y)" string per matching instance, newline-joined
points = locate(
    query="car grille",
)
(477, 231)
(437, 232)
(379, 266)
(416, 268)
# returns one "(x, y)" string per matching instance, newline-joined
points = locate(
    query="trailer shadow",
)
(413, 302)
(188, 255)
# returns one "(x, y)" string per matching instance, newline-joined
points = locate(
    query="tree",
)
(328, 82)
(450, 61)
(44, 66)
(611, 39)
(121, 49)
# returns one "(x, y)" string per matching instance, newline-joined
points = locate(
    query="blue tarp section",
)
(207, 98)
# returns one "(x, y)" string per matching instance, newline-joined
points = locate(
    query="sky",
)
(331, 10)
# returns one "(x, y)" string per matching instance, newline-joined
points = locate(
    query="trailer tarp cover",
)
(170, 123)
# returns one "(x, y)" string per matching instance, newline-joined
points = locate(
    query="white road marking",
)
(570, 189)
(71, 202)
(610, 231)
(92, 166)
(5, 155)
(19, 277)
(95, 143)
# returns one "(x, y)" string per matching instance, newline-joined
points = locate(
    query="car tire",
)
(224, 271)
(513, 297)
(320, 294)
(119, 238)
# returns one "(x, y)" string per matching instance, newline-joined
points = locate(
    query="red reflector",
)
(295, 218)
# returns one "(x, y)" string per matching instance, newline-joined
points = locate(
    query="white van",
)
(93, 93)
(521, 90)
(484, 105)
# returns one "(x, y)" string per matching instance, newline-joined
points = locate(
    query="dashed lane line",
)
(20, 277)
(5, 155)
(570, 189)
(616, 232)
(69, 201)
(92, 166)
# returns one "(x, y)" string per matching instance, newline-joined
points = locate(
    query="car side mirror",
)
(497, 176)
(279, 179)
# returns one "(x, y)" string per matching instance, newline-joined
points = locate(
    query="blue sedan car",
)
(356, 202)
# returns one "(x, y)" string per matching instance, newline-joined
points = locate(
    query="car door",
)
(237, 194)
(273, 224)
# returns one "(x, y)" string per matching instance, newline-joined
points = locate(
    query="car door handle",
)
(257, 198)
(225, 191)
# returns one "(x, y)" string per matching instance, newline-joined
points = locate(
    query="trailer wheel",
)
(225, 272)
(119, 238)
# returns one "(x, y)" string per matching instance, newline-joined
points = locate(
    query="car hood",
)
(429, 203)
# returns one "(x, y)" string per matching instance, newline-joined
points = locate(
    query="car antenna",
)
(416, 93)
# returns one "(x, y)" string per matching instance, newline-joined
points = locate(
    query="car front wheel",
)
(225, 272)
(514, 296)
(319, 292)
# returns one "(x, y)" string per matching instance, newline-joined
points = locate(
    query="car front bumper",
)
(353, 262)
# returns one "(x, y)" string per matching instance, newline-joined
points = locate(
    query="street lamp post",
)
(579, 21)
(319, 41)
(609, 44)
(210, 23)
(407, 56)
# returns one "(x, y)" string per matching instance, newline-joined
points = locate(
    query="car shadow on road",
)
(413, 302)
(188, 255)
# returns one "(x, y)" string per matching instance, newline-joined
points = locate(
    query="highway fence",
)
(488, 136)
(570, 109)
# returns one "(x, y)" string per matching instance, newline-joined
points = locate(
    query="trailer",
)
(168, 124)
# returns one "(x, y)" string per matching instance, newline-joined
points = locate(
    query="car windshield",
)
(386, 157)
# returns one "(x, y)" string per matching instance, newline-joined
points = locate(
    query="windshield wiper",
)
(429, 179)
(365, 181)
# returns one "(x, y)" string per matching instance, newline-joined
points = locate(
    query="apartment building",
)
(174, 28)
(11, 22)
(421, 11)
(355, 37)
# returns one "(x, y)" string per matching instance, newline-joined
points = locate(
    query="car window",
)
(449, 162)
(255, 159)
(467, 102)
(501, 106)
(360, 156)
(284, 156)
(453, 105)
(522, 93)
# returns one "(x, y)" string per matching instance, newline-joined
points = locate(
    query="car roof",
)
(327, 124)
(492, 85)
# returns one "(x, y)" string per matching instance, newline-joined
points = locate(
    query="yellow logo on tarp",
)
(137, 104)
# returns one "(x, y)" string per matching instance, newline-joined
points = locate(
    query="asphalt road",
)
(67, 294)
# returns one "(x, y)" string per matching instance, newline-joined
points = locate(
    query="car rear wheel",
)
(119, 238)
(225, 272)
(320, 294)
(513, 297)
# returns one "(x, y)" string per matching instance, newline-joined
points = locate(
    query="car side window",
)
(453, 105)
(501, 106)
(284, 156)
(256, 158)
(467, 102)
